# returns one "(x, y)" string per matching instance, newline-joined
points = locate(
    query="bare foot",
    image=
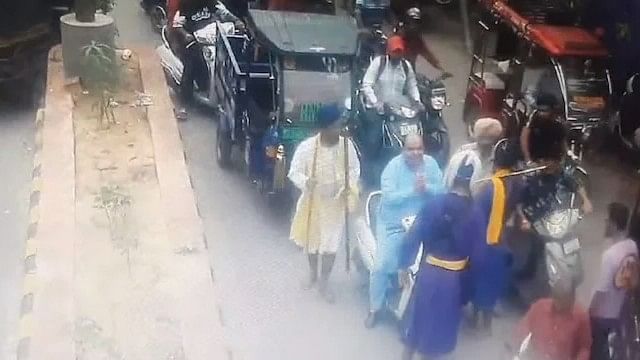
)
(309, 283)
(326, 293)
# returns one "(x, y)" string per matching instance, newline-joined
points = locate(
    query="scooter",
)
(399, 119)
(204, 89)
(364, 250)
(555, 247)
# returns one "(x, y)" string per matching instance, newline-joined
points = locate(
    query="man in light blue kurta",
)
(407, 182)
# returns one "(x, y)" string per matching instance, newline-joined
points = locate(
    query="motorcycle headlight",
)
(438, 102)
(558, 223)
(407, 112)
(208, 53)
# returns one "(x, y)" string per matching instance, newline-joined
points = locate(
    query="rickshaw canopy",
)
(562, 41)
(305, 33)
(558, 41)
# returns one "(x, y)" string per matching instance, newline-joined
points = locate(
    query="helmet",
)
(414, 14)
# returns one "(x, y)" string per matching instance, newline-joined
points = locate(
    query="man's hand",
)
(525, 225)
(379, 106)
(404, 278)
(587, 207)
(239, 25)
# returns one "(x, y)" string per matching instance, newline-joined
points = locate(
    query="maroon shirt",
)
(555, 335)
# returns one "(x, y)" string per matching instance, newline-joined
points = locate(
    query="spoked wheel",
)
(223, 148)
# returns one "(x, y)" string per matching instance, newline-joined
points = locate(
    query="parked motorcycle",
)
(554, 244)
(364, 250)
(157, 11)
(204, 89)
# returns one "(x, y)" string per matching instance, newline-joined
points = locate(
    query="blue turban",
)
(328, 115)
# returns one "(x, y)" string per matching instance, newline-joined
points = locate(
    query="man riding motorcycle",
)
(387, 77)
(193, 15)
(411, 33)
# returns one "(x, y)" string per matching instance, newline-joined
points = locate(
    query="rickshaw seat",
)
(492, 81)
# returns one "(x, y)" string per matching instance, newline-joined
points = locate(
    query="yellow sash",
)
(498, 207)
(451, 265)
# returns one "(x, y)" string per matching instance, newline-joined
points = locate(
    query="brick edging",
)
(25, 326)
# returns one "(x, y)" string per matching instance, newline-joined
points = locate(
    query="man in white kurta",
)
(319, 169)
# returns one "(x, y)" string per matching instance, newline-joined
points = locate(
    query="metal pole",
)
(346, 204)
(466, 26)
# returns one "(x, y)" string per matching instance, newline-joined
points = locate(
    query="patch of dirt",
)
(122, 285)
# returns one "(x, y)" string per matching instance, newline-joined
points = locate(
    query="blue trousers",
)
(385, 268)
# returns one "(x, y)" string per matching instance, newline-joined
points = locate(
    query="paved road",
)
(16, 155)
(258, 271)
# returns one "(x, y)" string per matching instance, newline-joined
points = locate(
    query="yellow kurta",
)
(318, 224)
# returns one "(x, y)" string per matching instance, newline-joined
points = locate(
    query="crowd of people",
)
(463, 216)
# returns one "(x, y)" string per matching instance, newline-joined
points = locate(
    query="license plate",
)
(571, 246)
(407, 129)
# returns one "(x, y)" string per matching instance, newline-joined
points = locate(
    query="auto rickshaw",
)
(516, 58)
(272, 82)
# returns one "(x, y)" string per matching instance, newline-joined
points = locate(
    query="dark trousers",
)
(191, 57)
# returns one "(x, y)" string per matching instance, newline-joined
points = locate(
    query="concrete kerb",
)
(29, 266)
(46, 318)
(201, 317)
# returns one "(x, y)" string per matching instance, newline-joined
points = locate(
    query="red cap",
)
(395, 44)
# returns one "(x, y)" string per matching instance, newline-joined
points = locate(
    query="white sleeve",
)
(354, 164)
(412, 83)
(299, 164)
(369, 80)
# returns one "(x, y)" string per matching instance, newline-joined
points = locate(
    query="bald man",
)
(407, 182)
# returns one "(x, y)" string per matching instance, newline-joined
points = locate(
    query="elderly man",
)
(321, 168)
(406, 182)
(487, 132)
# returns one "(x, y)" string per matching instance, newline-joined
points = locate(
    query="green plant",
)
(100, 76)
(106, 6)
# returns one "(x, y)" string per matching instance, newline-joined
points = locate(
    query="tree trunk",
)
(85, 10)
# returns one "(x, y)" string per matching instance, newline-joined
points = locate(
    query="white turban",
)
(487, 130)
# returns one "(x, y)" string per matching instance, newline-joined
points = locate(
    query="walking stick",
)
(347, 189)
(310, 204)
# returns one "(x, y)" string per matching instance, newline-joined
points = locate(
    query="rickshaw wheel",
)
(223, 148)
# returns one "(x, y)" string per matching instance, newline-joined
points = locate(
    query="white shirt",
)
(481, 167)
(391, 84)
(612, 261)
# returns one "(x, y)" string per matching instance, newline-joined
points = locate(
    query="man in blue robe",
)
(495, 204)
(407, 181)
(445, 228)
